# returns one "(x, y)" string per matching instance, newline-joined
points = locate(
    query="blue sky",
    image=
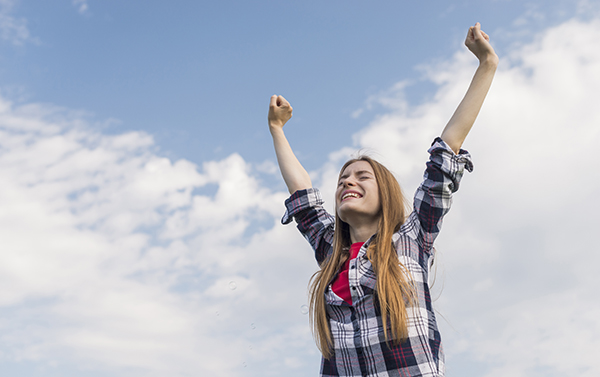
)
(196, 72)
(140, 204)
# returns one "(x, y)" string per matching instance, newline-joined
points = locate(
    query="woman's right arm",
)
(305, 205)
(295, 176)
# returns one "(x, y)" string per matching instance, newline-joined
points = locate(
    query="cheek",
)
(337, 202)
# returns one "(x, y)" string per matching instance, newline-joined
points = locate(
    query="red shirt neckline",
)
(341, 284)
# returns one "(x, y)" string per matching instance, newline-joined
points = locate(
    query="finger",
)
(469, 36)
(282, 102)
(470, 33)
(476, 30)
(273, 102)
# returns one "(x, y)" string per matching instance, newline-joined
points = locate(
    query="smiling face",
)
(357, 194)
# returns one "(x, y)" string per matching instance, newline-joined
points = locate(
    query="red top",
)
(341, 285)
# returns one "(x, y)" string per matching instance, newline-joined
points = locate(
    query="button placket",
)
(352, 275)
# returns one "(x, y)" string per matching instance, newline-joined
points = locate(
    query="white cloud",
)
(12, 29)
(81, 5)
(115, 262)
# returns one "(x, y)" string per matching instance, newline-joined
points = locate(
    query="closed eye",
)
(364, 174)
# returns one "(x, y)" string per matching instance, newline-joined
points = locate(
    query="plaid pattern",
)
(359, 342)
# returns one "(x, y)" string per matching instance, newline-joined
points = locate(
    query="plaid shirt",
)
(359, 343)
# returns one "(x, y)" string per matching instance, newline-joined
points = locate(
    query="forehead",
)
(356, 167)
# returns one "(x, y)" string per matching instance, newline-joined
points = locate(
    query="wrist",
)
(275, 128)
(489, 60)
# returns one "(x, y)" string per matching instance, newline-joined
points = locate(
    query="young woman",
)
(370, 302)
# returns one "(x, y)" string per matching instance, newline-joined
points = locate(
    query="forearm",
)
(462, 120)
(295, 176)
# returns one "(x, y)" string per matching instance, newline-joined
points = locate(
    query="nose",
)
(349, 182)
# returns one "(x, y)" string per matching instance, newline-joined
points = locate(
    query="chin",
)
(346, 212)
(342, 214)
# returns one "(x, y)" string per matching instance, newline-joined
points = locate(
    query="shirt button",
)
(353, 267)
(354, 288)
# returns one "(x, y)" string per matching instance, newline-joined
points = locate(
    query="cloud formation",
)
(12, 29)
(81, 5)
(117, 259)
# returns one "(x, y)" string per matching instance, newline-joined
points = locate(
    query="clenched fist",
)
(280, 111)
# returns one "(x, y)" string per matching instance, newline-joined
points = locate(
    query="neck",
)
(363, 232)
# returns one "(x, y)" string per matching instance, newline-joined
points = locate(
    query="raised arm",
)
(295, 176)
(460, 124)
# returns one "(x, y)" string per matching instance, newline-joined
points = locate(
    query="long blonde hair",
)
(394, 289)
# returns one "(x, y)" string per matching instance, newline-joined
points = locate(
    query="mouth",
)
(351, 194)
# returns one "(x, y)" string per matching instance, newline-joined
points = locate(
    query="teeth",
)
(350, 194)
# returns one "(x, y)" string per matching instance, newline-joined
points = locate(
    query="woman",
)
(370, 301)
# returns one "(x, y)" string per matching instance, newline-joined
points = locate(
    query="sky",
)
(140, 202)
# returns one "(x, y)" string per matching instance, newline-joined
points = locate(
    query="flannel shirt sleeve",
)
(314, 222)
(434, 196)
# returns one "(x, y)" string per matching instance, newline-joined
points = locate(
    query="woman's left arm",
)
(460, 124)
